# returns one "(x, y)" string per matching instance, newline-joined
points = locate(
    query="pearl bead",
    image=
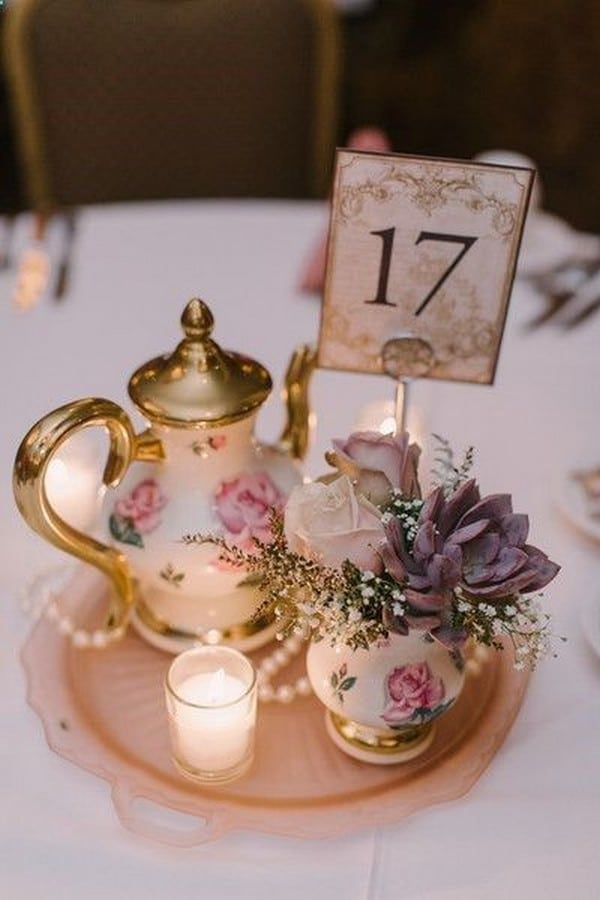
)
(266, 693)
(269, 666)
(293, 645)
(81, 639)
(52, 613)
(65, 626)
(285, 693)
(281, 657)
(303, 686)
(99, 639)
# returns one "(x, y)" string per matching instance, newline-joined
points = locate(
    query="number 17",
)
(387, 237)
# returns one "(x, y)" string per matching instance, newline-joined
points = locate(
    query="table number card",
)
(422, 249)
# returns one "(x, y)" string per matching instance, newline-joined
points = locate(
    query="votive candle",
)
(211, 706)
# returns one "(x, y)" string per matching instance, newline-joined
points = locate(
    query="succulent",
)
(464, 541)
(498, 562)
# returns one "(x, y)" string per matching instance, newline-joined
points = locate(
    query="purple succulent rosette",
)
(463, 542)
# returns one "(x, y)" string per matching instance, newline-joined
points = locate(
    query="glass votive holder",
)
(211, 705)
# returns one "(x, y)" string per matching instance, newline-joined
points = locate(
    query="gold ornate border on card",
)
(425, 248)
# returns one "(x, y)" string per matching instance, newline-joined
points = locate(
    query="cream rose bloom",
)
(330, 523)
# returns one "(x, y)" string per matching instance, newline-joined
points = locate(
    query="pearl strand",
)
(272, 664)
(41, 599)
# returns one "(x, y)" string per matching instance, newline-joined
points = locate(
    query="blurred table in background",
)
(528, 828)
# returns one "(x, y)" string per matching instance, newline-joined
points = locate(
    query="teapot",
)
(197, 468)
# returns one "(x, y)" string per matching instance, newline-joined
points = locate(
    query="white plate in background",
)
(571, 500)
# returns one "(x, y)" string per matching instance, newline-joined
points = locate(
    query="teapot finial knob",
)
(199, 384)
(197, 320)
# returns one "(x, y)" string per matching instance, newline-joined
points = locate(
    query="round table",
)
(529, 827)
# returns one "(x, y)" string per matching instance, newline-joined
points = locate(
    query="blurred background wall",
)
(456, 77)
(11, 189)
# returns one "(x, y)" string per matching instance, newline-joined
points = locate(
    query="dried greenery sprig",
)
(306, 597)
(448, 474)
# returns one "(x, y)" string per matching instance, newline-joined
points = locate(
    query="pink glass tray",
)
(104, 711)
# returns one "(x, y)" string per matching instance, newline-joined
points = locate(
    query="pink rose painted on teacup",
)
(415, 695)
(244, 505)
(330, 523)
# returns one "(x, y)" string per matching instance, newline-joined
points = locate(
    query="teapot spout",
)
(295, 435)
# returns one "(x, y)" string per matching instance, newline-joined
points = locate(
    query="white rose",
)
(330, 523)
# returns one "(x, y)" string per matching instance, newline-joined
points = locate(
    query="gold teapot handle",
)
(29, 485)
(295, 435)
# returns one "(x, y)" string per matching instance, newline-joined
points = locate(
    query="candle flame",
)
(216, 687)
(388, 426)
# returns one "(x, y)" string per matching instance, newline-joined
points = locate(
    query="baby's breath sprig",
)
(520, 619)
(407, 512)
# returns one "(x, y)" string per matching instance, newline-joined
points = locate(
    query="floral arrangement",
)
(360, 553)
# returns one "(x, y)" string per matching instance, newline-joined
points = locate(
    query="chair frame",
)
(27, 108)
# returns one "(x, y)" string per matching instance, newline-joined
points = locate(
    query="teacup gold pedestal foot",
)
(384, 748)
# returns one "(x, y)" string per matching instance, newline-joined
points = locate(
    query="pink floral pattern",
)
(244, 503)
(214, 442)
(137, 513)
(415, 695)
(142, 506)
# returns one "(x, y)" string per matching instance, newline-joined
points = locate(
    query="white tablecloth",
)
(529, 827)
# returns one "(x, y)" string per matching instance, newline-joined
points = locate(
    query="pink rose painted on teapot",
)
(244, 505)
(137, 513)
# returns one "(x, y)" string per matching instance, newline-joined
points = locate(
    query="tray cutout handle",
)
(162, 822)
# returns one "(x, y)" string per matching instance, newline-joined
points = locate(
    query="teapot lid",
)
(199, 384)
